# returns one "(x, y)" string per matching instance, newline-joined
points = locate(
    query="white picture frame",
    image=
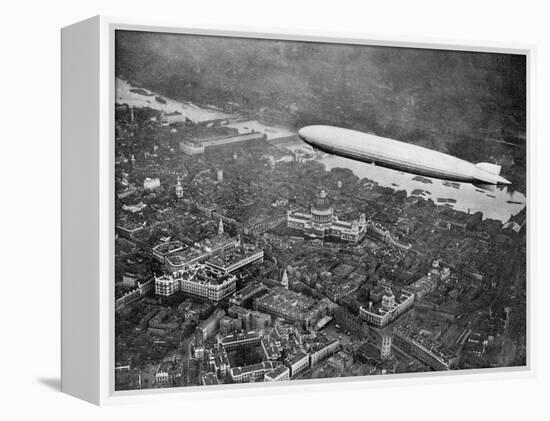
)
(88, 212)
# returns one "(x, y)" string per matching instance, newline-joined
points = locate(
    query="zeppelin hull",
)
(407, 167)
(396, 155)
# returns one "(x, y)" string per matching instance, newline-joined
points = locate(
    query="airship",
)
(398, 155)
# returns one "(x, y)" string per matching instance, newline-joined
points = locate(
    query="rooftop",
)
(321, 343)
(299, 215)
(185, 256)
(265, 365)
(342, 224)
(249, 290)
(203, 275)
(378, 307)
(287, 301)
(277, 371)
(216, 243)
(237, 337)
(271, 347)
(199, 274)
(232, 257)
(169, 247)
(296, 357)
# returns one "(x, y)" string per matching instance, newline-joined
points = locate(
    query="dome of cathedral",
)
(322, 202)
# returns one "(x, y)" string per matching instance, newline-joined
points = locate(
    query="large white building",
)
(297, 363)
(198, 281)
(179, 258)
(236, 340)
(320, 351)
(380, 314)
(191, 148)
(166, 285)
(279, 373)
(321, 222)
(251, 372)
(151, 183)
(205, 269)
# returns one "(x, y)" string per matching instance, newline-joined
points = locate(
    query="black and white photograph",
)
(290, 210)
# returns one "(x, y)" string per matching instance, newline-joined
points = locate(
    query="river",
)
(464, 197)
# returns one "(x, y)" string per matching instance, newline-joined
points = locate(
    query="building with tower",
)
(385, 347)
(388, 300)
(179, 189)
(220, 228)
(321, 222)
(284, 281)
(379, 314)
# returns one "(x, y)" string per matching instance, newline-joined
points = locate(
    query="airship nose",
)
(305, 132)
(312, 134)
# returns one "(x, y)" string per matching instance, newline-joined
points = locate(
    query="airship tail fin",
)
(492, 168)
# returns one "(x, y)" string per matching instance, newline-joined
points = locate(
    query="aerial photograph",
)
(289, 210)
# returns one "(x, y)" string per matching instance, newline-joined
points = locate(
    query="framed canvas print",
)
(249, 211)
